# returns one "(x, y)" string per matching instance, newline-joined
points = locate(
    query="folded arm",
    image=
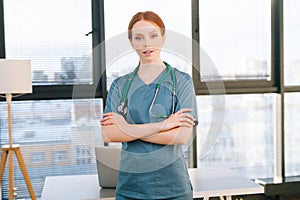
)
(179, 135)
(176, 129)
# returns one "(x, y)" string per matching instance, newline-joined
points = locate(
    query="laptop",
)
(108, 162)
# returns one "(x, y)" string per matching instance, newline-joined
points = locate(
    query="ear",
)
(130, 41)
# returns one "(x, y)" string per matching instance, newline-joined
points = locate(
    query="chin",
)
(148, 60)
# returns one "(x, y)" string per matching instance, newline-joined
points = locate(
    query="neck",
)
(148, 72)
(152, 66)
(154, 61)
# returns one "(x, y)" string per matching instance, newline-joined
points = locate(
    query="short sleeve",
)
(113, 98)
(186, 97)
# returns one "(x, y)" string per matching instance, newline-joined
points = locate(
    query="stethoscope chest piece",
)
(122, 109)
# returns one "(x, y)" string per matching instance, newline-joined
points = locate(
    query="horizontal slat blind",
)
(57, 137)
(52, 35)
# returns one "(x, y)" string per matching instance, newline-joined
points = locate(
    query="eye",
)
(154, 36)
(138, 38)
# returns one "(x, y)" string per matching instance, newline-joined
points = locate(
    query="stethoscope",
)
(123, 108)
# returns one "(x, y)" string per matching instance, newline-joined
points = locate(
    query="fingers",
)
(184, 110)
(108, 119)
(187, 122)
(112, 118)
(108, 114)
(186, 118)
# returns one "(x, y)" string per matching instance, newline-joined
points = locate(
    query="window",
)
(56, 128)
(59, 156)
(236, 35)
(234, 131)
(37, 157)
(64, 131)
(52, 35)
(84, 154)
(292, 138)
(291, 42)
(291, 79)
(236, 69)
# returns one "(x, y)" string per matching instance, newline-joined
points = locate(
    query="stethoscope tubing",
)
(123, 105)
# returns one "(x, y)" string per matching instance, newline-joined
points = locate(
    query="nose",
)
(147, 43)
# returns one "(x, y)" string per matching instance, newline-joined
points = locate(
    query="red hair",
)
(147, 16)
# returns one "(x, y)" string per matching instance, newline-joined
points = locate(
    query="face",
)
(147, 41)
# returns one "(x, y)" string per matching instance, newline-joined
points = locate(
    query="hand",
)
(121, 127)
(112, 118)
(181, 118)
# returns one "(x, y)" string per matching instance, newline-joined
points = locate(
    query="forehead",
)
(144, 27)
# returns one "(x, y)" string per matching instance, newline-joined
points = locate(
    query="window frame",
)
(2, 40)
(231, 87)
(275, 85)
(60, 91)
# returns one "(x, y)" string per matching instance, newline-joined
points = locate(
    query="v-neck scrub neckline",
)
(154, 80)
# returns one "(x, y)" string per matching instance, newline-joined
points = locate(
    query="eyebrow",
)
(155, 31)
(138, 34)
(141, 34)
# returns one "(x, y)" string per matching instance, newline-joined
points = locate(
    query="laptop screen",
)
(108, 162)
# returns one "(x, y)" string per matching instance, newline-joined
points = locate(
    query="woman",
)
(152, 111)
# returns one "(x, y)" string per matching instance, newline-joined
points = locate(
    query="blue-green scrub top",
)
(148, 170)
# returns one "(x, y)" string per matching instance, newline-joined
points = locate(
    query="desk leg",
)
(221, 198)
(228, 198)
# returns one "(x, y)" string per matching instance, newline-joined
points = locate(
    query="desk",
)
(220, 182)
(83, 187)
(207, 182)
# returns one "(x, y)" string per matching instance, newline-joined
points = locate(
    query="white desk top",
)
(74, 187)
(207, 182)
(210, 182)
